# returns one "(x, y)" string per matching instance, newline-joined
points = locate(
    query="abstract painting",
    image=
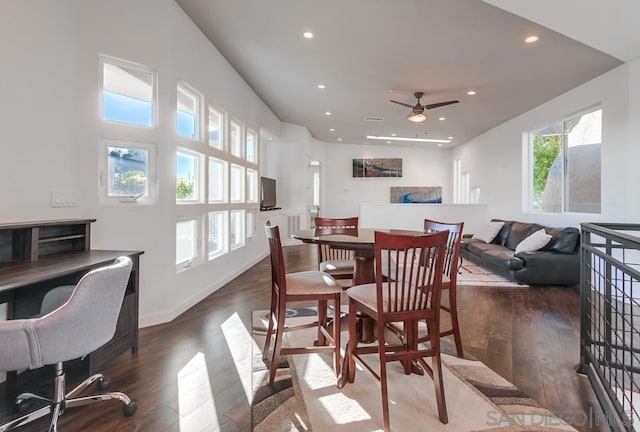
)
(386, 167)
(416, 194)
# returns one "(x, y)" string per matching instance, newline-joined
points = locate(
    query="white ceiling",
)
(363, 48)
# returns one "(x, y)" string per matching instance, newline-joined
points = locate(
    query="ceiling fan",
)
(417, 111)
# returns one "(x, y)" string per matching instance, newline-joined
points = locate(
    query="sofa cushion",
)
(501, 238)
(488, 231)
(502, 257)
(478, 248)
(520, 231)
(563, 240)
(534, 242)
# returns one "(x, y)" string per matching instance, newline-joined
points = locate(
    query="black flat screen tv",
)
(267, 193)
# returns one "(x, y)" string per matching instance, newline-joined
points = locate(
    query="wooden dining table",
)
(360, 240)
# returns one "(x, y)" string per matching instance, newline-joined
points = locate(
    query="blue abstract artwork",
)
(416, 194)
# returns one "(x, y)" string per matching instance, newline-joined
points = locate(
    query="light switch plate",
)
(62, 199)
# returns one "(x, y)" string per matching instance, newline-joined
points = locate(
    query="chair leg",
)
(438, 383)
(383, 378)
(272, 311)
(275, 358)
(336, 333)
(322, 321)
(353, 342)
(453, 306)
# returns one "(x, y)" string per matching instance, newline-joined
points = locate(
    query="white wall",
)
(50, 81)
(344, 193)
(495, 158)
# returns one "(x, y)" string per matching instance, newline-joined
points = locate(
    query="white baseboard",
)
(171, 314)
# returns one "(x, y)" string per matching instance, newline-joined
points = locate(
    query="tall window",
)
(251, 152)
(187, 122)
(252, 186)
(235, 139)
(237, 183)
(128, 92)
(566, 165)
(217, 180)
(186, 241)
(216, 129)
(188, 176)
(217, 242)
(236, 228)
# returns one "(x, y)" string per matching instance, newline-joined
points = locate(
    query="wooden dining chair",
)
(452, 262)
(339, 263)
(293, 287)
(411, 297)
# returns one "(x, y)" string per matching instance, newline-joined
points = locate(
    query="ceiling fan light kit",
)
(417, 111)
(416, 117)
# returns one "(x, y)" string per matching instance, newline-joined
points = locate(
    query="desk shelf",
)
(31, 240)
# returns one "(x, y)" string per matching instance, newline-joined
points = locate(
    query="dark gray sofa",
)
(558, 263)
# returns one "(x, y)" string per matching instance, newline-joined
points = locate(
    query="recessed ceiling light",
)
(321, 86)
(327, 113)
(532, 38)
(393, 134)
(442, 118)
(307, 35)
(388, 142)
(375, 137)
(332, 130)
(450, 138)
(339, 139)
(471, 92)
(439, 144)
(392, 90)
(270, 139)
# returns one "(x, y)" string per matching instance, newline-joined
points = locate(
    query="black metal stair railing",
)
(610, 319)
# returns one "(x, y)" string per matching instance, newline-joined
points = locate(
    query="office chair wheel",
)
(129, 409)
(22, 405)
(103, 384)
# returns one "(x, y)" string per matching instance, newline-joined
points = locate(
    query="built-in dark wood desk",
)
(37, 257)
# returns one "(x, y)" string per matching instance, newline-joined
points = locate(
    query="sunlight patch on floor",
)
(196, 406)
(240, 344)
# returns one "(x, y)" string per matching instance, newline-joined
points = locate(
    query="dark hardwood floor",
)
(193, 374)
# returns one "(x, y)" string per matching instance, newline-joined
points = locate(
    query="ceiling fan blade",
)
(439, 104)
(402, 103)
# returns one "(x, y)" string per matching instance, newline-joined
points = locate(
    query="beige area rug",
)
(473, 274)
(305, 397)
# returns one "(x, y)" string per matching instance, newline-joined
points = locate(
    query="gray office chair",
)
(74, 321)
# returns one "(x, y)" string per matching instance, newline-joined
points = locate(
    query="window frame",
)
(197, 258)
(225, 235)
(151, 197)
(199, 176)
(249, 132)
(198, 98)
(223, 129)
(122, 63)
(241, 143)
(528, 143)
(242, 230)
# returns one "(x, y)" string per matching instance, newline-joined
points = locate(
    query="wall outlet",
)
(63, 199)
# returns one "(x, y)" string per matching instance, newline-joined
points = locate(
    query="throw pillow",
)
(535, 241)
(488, 232)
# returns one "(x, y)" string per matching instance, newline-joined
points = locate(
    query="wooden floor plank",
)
(189, 373)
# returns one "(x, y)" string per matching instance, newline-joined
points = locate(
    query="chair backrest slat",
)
(452, 257)
(346, 226)
(418, 281)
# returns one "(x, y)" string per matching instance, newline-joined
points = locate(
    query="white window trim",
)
(186, 88)
(103, 58)
(225, 239)
(226, 179)
(243, 220)
(197, 259)
(248, 132)
(528, 159)
(200, 157)
(103, 173)
(243, 187)
(223, 125)
(243, 144)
